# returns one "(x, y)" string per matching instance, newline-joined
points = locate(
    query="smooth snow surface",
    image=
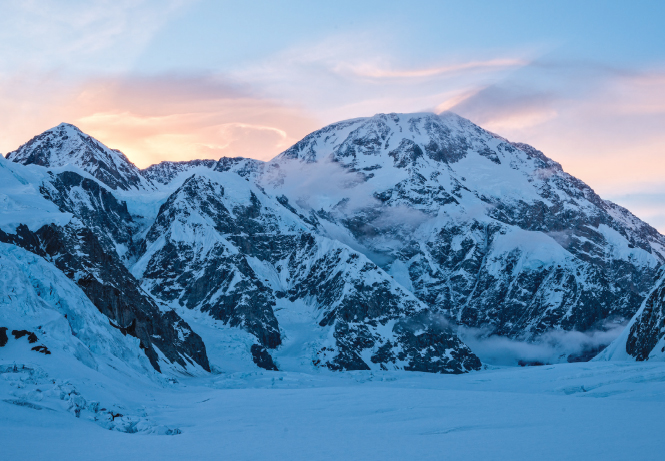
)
(593, 410)
(20, 199)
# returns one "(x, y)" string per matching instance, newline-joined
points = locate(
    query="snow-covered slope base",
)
(573, 412)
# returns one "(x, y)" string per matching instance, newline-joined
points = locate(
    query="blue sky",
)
(178, 79)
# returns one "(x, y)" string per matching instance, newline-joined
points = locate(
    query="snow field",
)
(572, 411)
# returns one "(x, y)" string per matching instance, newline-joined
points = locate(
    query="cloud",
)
(75, 35)
(154, 118)
(551, 347)
(603, 124)
(353, 74)
(376, 72)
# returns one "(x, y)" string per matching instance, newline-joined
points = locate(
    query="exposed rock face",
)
(490, 233)
(66, 145)
(262, 358)
(644, 337)
(236, 253)
(165, 172)
(648, 329)
(97, 208)
(76, 251)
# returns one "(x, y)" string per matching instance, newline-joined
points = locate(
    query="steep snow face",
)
(489, 232)
(65, 145)
(222, 246)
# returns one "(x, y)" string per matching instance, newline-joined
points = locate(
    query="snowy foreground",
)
(594, 410)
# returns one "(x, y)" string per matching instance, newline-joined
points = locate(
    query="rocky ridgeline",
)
(382, 233)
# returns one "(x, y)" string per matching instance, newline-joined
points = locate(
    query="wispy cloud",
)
(351, 75)
(373, 71)
(154, 118)
(603, 124)
(77, 35)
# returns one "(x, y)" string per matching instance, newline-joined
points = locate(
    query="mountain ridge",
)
(472, 228)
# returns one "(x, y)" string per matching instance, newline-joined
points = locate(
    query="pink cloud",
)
(606, 129)
(152, 119)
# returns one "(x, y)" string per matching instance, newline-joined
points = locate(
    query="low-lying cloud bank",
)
(551, 347)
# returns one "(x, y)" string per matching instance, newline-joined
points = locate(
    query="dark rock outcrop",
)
(77, 252)
(32, 338)
(41, 349)
(262, 358)
(648, 327)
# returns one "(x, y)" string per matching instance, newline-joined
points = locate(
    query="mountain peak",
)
(65, 125)
(398, 140)
(65, 145)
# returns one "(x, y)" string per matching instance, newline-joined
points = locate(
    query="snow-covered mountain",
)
(66, 146)
(363, 246)
(75, 224)
(221, 245)
(165, 172)
(491, 233)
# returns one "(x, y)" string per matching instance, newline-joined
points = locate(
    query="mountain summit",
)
(66, 145)
(491, 233)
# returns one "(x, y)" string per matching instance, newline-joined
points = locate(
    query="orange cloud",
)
(152, 119)
(607, 130)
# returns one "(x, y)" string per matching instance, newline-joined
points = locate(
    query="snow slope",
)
(573, 411)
